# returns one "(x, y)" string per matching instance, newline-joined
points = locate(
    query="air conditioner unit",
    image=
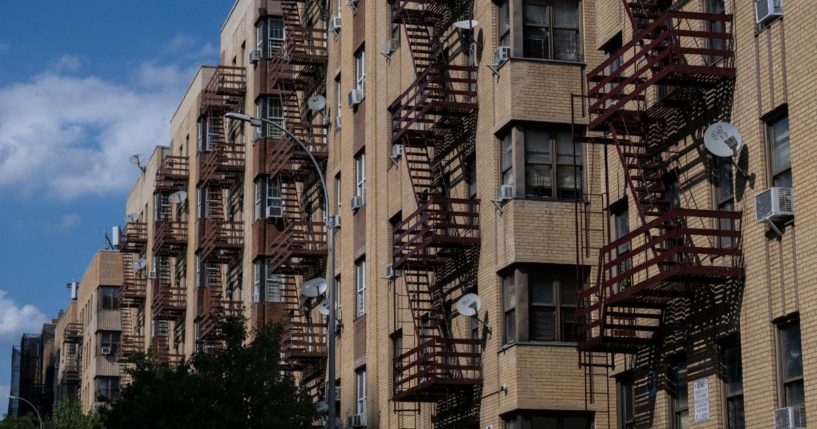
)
(352, 3)
(396, 151)
(357, 421)
(504, 193)
(390, 46)
(152, 274)
(337, 122)
(391, 273)
(106, 351)
(790, 418)
(355, 97)
(334, 24)
(501, 54)
(275, 212)
(774, 204)
(357, 202)
(768, 10)
(255, 56)
(335, 221)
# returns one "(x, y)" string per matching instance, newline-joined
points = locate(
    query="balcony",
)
(304, 342)
(169, 238)
(677, 51)
(224, 164)
(219, 238)
(225, 90)
(73, 333)
(434, 105)
(134, 237)
(437, 368)
(274, 156)
(160, 345)
(129, 346)
(70, 370)
(172, 174)
(169, 302)
(440, 227)
(134, 286)
(211, 309)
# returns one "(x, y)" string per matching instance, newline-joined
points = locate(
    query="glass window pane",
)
(735, 413)
(541, 289)
(537, 147)
(538, 181)
(565, 149)
(568, 177)
(509, 291)
(781, 151)
(565, 13)
(575, 423)
(568, 293)
(792, 353)
(507, 152)
(542, 324)
(536, 13)
(510, 326)
(795, 395)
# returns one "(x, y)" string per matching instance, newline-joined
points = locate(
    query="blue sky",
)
(83, 85)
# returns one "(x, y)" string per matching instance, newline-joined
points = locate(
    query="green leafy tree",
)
(22, 422)
(68, 415)
(242, 385)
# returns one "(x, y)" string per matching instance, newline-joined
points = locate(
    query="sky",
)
(83, 86)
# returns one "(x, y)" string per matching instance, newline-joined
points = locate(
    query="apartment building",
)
(547, 156)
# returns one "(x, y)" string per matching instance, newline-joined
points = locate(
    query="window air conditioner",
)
(768, 10)
(357, 202)
(790, 418)
(275, 212)
(255, 56)
(396, 151)
(501, 54)
(390, 46)
(504, 193)
(774, 204)
(335, 221)
(106, 351)
(334, 24)
(355, 97)
(391, 273)
(152, 274)
(357, 421)
(337, 122)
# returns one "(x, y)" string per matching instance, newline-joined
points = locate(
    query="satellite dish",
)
(313, 288)
(316, 103)
(136, 159)
(468, 24)
(469, 304)
(177, 197)
(132, 217)
(139, 264)
(723, 140)
(323, 307)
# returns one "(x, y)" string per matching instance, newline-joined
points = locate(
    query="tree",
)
(242, 385)
(22, 422)
(68, 415)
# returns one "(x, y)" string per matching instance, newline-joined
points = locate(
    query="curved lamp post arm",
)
(40, 419)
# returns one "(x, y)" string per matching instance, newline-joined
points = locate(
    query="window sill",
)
(548, 61)
(546, 200)
(559, 344)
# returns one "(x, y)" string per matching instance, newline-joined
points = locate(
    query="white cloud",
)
(70, 136)
(68, 63)
(15, 320)
(69, 221)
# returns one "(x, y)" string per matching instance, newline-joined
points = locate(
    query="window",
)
(273, 200)
(360, 71)
(360, 391)
(791, 363)
(107, 388)
(552, 300)
(715, 7)
(267, 285)
(271, 108)
(109, 297)
(732, 372)
(109, 340)
(504, 24)
(679, 392)
(621, 227)
(360, 288)
(360, 176)
(338, 195)
(625, 401)
(506, 159)
(611, 48)
(725, 198)
(338, 101)
(338, 289)
(272, 31)
(549, 420)
(551, 29)
(543, 170)
(395, 36)
(778, 132)
(201, 202)
(509, 308)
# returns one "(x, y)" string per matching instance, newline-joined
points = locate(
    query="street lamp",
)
(330, 244)
(32, 406)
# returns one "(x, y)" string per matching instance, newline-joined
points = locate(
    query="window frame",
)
(557, 274)
(338, 102)
(360, 71)
(106, 338)
(108, 297)
(727, 369)
(360, 287)
(509, 303)
(625, 400)
(678, 371)
(503, 23)
(360, 391)
(783, 381)
(110, 385)
(778, 175)
(555, 191)
(360, 176)
(549, 29)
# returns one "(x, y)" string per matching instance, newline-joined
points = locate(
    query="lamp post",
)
(32, 406)
(330, 252)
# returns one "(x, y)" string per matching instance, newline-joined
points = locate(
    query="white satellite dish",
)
(313, 288)
(316, 103)
(323, 307)
(321, 407)
(136, 159)
(469, 304)
(468, 24)
(132, 217)
(723, 140)
(139, 264)
(177, 197)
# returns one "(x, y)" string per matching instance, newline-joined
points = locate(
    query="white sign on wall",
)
(701, 399)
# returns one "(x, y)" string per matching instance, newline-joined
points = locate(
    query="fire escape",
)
(220, 223)
(645, 103)
(133, 291)
(436, 248)
(290, 233)
(70, 364)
